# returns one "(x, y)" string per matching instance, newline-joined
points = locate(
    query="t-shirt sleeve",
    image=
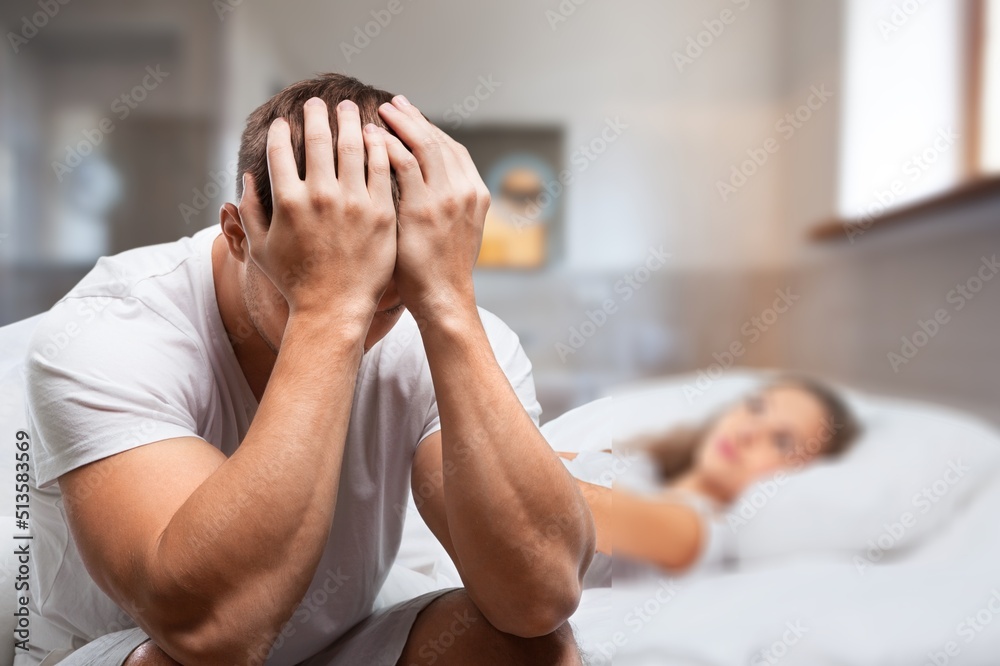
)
(105, 375)
(718, 546)
(515, 364)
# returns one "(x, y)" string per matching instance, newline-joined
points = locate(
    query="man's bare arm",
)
(516, 520)
(205, 588)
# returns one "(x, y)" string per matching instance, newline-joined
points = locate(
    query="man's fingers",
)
(461, 165)
(408, 175)
(418, 136)
(379, 182)
(456, 170)
(318, 142)
(280, 160)
(461, 155)
(350, 148)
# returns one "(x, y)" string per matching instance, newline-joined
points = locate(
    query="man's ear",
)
(232, 229)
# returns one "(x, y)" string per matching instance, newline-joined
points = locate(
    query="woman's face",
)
(777, 428)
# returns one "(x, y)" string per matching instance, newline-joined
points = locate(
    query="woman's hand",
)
(442, 208)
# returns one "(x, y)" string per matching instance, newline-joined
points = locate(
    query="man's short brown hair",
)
(287, 104)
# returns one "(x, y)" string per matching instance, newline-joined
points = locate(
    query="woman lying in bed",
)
(781, 427)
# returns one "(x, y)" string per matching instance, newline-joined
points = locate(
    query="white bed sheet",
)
(787, 606)
(797, 606)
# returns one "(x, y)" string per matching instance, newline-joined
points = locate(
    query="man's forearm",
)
(277, 493)
(517, 520)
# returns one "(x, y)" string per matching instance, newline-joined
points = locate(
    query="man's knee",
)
(452, 630)
(564, 646)
(556, 649)
(149, 654)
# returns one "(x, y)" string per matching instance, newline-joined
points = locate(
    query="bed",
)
(826, 574)
(828, 571)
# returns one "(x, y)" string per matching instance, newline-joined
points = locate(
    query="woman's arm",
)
(599, 500)
(658, 530)
(655, 530)
(568, 455)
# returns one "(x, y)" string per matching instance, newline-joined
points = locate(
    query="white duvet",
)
(830, 571)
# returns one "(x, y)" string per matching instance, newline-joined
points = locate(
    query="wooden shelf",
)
(839, 229)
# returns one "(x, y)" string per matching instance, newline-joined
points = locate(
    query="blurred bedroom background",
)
(679, 187)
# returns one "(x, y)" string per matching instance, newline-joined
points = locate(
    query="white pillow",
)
(585, 428)
(14, 343)
(912, 468)
(14, 339)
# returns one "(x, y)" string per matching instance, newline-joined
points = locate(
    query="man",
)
(230, 433)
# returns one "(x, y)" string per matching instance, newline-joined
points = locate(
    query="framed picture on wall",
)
(520, 165)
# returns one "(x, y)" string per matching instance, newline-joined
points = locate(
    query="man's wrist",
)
(348, 323)
(445, 310)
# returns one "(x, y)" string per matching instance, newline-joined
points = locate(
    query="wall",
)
(607, 60)
(60, 85)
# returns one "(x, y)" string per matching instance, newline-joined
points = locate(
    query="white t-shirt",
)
(137, 353)
(718, 543)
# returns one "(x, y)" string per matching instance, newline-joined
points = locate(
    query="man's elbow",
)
(205, 646)
(548, 603)
(190, 634)
(540, 612)
(194, 644)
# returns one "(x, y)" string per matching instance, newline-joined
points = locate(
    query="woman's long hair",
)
(673, 452)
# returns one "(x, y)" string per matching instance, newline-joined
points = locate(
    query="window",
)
(990, 87)
(903, 103)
